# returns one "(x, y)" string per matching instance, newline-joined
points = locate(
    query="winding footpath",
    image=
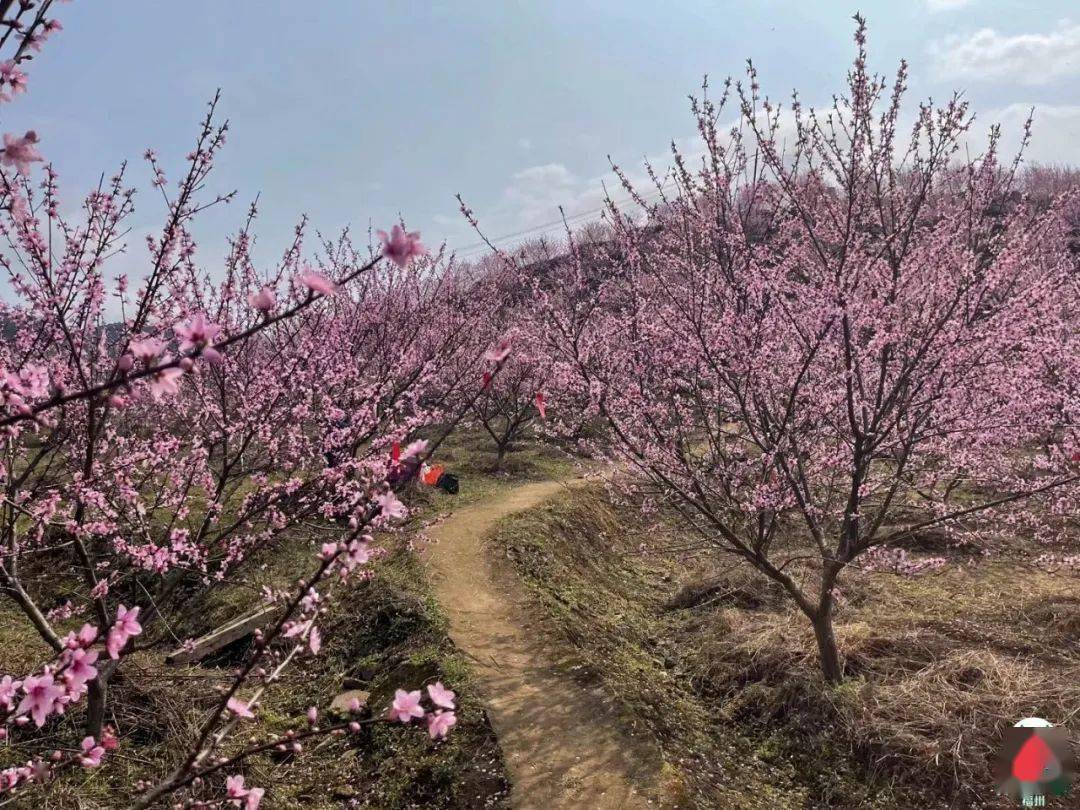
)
(561, 740)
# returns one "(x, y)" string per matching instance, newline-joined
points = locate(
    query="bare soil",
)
(563, 742)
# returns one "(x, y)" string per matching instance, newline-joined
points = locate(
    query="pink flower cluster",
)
(240, 796)
(401, 247)
(126, 627)
(19, 390)
(20, 151)
(89, 755)
(197, 335)
(440, 719)
(898, 561)
(12, 80)
(57, 686)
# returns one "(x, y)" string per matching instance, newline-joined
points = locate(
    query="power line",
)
(477, 247)
(534, 229)
(568, 220)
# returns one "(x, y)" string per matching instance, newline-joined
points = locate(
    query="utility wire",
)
(478, 247)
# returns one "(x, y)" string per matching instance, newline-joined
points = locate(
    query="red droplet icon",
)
(1030, 763)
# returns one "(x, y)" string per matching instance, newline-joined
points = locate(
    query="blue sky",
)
(353, 111)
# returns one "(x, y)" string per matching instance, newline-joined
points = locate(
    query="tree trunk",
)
(97, 698)
(95, 707)
(828, 653)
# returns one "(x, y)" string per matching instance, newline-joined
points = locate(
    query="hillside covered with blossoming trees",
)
(760, 491)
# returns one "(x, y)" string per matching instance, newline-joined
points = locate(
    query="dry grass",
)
(937, 666)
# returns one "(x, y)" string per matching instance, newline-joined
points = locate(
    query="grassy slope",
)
(380, 635)
(724, 672)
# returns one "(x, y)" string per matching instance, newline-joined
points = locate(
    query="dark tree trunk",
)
(95, 707)
(97, 699)
(828, 653)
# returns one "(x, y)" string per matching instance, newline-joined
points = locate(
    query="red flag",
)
(541, 405)
(395, 453)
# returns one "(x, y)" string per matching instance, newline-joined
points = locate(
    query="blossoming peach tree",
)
(511, 403)
(816, 351)
(158, 432)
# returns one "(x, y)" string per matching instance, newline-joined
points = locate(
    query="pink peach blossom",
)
(401, 247)
(406, 706)
(166, 382)
(239, 708)
(390, 507)
(318, 283)
(20, 152)
(440, 695)
(124, 628)
(197, 333)
(413, 449)
(234, 787)
(81, 668)
(248, 798)
(263, 300)
(41, 698)
(91, 753)
(147, 349)
(13, 77)
(8, 689)
(439, 723)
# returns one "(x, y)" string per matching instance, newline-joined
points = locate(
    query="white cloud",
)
(548, 174)
(935, 6)
(1055, 134)
(536, 193)
(525, 143)
(532, 198)
(1025, 58)
(447, 220)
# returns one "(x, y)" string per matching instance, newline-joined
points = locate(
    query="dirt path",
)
(561, 740)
